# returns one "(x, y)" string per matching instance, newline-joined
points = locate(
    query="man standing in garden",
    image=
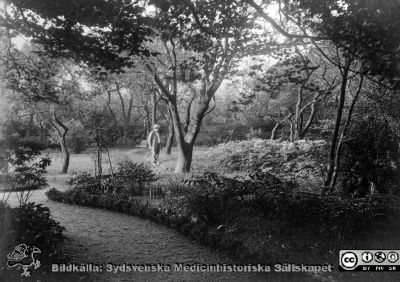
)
(154, 142)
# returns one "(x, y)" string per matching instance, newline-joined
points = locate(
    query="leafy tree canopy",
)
(99, 32)
(366, 29)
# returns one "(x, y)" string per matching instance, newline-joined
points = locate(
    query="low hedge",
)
(196, 230)
(328, 221)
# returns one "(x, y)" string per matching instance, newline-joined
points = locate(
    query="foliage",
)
(77, 143)
(215, 199)
(100, 128)
(128, 181)
(196, 230)
(77, 138)
(210, 194)
(232, 214)
(26, 171)
(365, 29)
(370, 157)
(58, 26)
(214, 134)
(302, 161)
(134, 172)
(86, 182)
(34, 226)
(5, 227)
(30, 224)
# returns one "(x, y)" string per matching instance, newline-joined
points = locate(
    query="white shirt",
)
(154, 138)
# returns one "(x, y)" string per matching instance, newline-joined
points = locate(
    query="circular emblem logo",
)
(367, 257)
(393, 257)
(380, 257)
(349, 260)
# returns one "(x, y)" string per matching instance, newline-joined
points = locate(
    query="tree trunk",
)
(170, 141)
(147, 121)
(273, 132)
(184, 158)
(186, 143)
(64, 149)
(184, 149)
(343, 135)
(296, 130)
(153, 108)
(125, 133)
(309, 121)
(292, 131)
(99, 162)
(187, 114)
(171, 133)
(62, 132)
(339, 114)
(30, 126)
(42, 134)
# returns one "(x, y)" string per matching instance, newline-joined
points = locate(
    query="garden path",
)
(104, 237)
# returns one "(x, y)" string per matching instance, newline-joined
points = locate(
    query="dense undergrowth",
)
(262, 202)
(259, 217)
(303, 161)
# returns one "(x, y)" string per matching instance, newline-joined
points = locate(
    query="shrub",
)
(26, 171)
(136, 173)
(6, 240)
(211, 197)
(258, 216)
(370, 157)
(30, 224)
(78, 143)
(128, 181)
(33, 225)
(215, 200)
(84, 181)
(55, 195)
(302, 161)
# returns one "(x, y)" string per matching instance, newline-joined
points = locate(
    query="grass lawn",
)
(85, 162)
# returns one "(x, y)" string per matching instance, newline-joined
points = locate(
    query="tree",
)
(104, 34)
(294, 87)
(364, 33)
(230, 36)
(44, 88)
(97, 123)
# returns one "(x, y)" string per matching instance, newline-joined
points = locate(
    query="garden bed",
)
(260, 220)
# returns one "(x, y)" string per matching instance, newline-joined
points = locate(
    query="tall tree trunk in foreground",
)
(213, 73)
(339, 114)
(186, 147)
(344, 133)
